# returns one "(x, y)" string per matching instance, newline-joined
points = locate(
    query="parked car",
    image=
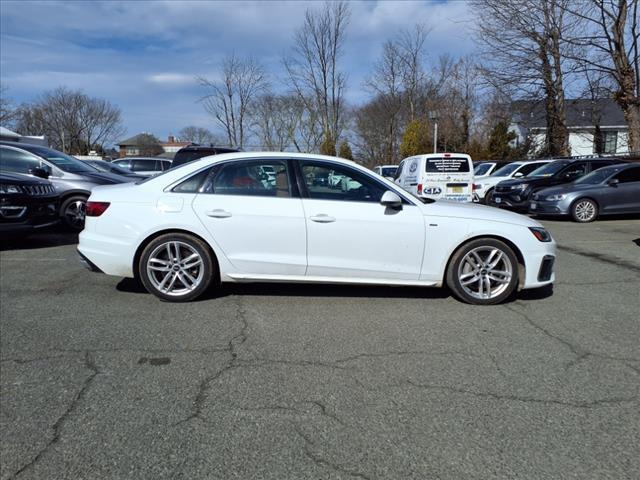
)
(484, 169)
(484, 186)
(144, 166)
(72, 178)
(606, 191)
(27, 204)
(515, 194)
(214, 220)
(387, 171)
(110, 167)
(194, 152)
(444, 176)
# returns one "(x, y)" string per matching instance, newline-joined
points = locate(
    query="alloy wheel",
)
(485, 272)
(585, 210)
(74, 214)
(175, 268)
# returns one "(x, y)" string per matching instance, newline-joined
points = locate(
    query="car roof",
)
(209, 147)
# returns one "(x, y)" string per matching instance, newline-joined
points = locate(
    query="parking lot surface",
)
(101, 380)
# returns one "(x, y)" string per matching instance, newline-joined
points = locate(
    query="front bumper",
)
(510, 200)
(38, 215)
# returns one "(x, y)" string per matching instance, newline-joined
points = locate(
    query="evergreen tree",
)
(345, 151)
(498, 147)
(328, 146)
(415, 140)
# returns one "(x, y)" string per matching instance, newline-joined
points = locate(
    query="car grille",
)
(36, 190)
(503, 189)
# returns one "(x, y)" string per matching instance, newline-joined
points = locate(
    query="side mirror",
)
(613, 182)
(40, 172)
(518, 175)
(391, 199)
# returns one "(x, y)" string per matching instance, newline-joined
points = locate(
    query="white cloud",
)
(171, 79)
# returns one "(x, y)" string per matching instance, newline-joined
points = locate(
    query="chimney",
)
(171, 139)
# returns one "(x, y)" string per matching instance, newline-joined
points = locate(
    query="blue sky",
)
(144, 55)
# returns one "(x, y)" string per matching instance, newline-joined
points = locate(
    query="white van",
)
(444, 176)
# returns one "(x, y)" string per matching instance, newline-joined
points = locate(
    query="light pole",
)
(433, 116)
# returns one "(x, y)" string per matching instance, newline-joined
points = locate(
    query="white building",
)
(584, 118)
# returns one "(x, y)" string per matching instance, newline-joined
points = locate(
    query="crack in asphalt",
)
(232, 349)
(89, 364)
(322, 461)
(580, 352)
(518, 398)
(601, 257)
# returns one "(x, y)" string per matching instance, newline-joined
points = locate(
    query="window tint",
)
(195, 183)
(447, 164)
(17, 161)
(344, 183)
(265, 178)
(575, 170)
(599, 164)
(529, 167)
(143, 165)
(629, 175)
(123, 163)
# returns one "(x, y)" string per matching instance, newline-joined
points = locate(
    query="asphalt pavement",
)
(101, 380)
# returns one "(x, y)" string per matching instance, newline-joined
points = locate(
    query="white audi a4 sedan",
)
(223, 219)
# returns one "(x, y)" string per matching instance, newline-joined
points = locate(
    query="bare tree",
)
(8, 113)
(610, 37)
(525, 51)
(72, 121)
(312, 69)
(198, 135)
(410, 48)
(230, 100)
(275, 121)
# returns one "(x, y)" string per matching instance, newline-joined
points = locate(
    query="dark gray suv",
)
(72, 178)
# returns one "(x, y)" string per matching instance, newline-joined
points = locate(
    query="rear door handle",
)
(218, 213)
(322, 218)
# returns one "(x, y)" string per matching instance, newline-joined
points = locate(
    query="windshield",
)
(64, 162)
(598, 176)
(506, 170)
(447, 165)
(482, 169)
(112, 167)
(549, 169)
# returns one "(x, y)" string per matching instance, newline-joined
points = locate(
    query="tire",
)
(72, 212)
(164, 273)
(487, 197)
(584, 210)
(480, 259)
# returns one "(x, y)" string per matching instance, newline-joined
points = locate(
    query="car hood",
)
(22, 179)
(476, 211)
(533, 181)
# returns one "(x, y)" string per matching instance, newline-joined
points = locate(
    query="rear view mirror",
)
(40, 172)
(613, 182)
(391, 199)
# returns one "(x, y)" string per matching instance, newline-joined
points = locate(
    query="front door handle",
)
(322, 218)
(218, 213)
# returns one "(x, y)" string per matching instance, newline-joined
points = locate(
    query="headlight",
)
(541, 234)
(7, 189)
(555, 198)
(521, 186)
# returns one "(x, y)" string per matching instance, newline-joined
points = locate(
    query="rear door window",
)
(143, 165)
(263, 178)
(447, 165)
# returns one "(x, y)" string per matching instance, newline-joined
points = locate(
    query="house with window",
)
(595, 126)
(136, 146)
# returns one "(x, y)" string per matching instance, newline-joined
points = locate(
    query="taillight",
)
(475, 187)
(95, 209)
(419, 189)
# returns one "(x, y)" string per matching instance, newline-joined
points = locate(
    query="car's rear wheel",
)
(72, 212)
(584, 210)
(483, 272)
(176, 267)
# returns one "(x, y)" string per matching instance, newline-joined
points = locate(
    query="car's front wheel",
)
(176, 267)
(584, 210)
(483, 272)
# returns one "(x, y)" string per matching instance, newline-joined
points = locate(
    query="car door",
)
(624, 196)
(257, 222)
(351, 235)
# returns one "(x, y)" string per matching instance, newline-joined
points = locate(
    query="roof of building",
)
(580, 113)
(132, 141)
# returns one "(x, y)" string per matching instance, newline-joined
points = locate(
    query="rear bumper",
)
(107, 254)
